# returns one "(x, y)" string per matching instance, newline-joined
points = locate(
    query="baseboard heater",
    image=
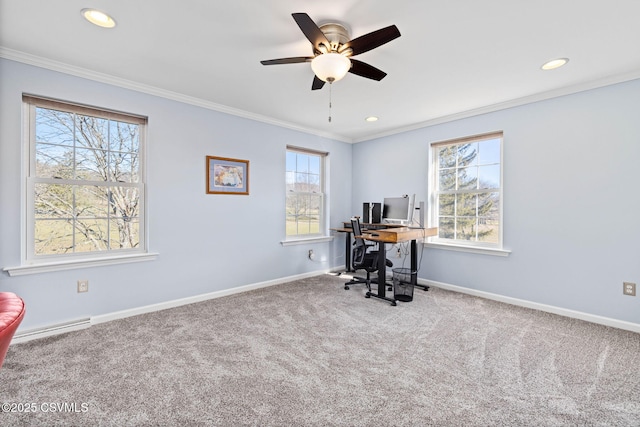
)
(74, 325)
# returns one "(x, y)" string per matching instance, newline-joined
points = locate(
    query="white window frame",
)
(323, 234)
(459, 244)
(32, 263)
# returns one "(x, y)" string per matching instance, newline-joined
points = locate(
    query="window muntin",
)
(466, 191)
(85, 187)
(305, 198)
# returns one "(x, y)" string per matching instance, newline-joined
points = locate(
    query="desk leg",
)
(414, 266)
(382, 276)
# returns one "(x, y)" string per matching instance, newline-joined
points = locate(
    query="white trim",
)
(433, 184)
(49, 64)
(85, 323)
(323, 158)
(79, 263)
(573, 314)
(34, 263)
(26, 58)
(525, 100)
(197, 298)
(305, 240)
(103, 318)
(469, 249)
(48, 331)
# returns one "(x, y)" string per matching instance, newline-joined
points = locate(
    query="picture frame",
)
(227, 176)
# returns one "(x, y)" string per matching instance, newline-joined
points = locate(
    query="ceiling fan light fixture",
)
(330, 67)
(98, 18)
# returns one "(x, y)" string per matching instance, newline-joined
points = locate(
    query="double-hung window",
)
(305, 193)
(85, 182)
(466, 191)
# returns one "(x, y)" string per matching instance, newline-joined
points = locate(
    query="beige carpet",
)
(309, 353)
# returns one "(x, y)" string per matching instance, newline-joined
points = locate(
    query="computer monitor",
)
(398, 209)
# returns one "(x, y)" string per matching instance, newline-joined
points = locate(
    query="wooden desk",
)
(395, 235)
(347, 241)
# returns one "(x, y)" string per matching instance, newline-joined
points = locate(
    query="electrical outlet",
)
(629, 288)
(83, 286)
(399, 253)
(312, 256)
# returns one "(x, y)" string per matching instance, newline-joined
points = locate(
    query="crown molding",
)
(556, 93)
(49, 64)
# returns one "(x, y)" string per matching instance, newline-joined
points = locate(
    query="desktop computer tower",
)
(372, 213)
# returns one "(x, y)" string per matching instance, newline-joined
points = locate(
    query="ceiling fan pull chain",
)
(330, 86)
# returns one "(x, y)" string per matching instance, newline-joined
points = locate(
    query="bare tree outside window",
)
(87, 188)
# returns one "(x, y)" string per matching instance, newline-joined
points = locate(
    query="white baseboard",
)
(24, 336)
(620, 324)
(196, 298)
(47, 331)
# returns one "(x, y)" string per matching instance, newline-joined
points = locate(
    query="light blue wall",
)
(571, 199)
(206, 242)
(570, 192)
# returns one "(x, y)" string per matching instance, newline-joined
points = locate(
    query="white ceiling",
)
(455, 58)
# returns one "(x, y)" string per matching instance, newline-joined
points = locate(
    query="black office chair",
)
(363, 259)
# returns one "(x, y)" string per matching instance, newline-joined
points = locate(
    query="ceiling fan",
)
(333, 51)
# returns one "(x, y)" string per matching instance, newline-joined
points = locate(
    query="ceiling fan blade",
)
(362, 69)
(311, 31)
(372, 40)
(317, 83)
(293, 60)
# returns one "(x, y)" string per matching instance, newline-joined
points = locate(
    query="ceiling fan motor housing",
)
(337, 35)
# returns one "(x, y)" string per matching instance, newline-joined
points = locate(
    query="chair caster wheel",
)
(393, 304)
(346, 288)
(367, 295)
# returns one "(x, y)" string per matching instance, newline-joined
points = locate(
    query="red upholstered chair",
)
(11, 314)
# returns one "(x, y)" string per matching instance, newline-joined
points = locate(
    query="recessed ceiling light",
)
(554, 63)
(372, 119)
(98, 18)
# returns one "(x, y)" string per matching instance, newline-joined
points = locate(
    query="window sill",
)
(74, 264)
(305, 240)
(469, 249)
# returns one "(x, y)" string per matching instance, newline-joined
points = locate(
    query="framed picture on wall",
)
(227, 176)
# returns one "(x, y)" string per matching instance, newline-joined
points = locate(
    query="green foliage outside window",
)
(304, 198)
(468, 191)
